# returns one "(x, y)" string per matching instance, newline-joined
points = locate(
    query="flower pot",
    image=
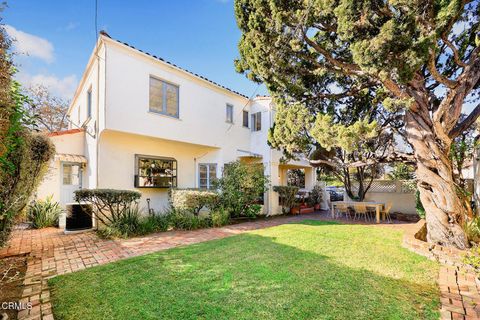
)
(295, 210)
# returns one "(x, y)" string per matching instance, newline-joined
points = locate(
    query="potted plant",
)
(316, 196)
(288, 198)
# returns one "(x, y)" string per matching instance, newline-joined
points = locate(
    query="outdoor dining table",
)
(369, 204)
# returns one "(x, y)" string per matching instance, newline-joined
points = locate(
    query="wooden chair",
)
(361, 209)
(341, 208)
(386, 212)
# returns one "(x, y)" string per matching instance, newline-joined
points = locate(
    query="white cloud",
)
(71, 26)
(61, 87)
(29, 44)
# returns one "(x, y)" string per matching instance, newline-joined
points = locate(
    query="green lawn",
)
(310, 270)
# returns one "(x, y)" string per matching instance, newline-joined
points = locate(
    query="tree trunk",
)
(444, 209)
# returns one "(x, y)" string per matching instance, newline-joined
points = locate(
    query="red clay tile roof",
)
(60, 133)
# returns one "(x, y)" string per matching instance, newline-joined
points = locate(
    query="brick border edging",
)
(458, 283)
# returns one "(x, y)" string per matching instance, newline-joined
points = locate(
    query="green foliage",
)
(472, 230)
(30, 163)
(44, 213)
(316, 195)
(185, 220)
(346, 137)
(288, 196)
(219, 217)
(240, 187)
(158, 222)
(402, 171)
(419, 206)
(110, 205)
(473, 258)
(192, 200)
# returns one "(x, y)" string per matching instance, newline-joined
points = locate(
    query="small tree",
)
(240, 188)
(49, 111)
(109, 205)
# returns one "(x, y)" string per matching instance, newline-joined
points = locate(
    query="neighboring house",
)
(139, 122)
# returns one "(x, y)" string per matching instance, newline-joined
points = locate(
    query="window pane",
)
(245, 119)
(67, 174)
(154, 172)
(156, 95)
(212, 172)
(229, 113)
(89, 103)
(259, 121)
(172, 100)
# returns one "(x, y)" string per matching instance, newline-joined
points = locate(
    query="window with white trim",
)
(245, 118)
(229, 111)
(207, 173)
(163, 97)
(257, 121)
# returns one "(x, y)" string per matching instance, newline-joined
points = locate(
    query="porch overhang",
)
(248, 154)
(68, 157)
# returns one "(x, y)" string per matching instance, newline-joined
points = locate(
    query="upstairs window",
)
(207, 175)
(155, 172)
(245, 118)
(229, 113)
(89, 103)
(257, 121)
(163, 97)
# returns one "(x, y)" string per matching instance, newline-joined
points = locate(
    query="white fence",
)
(398, 192)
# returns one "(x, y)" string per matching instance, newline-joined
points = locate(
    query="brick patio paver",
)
(50, 252)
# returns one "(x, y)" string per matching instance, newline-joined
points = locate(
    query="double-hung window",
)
(245, 118)
(229, 111)
(257, 121)
(163, 97)
(207, 173)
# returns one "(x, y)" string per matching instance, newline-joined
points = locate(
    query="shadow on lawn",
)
(248, 276)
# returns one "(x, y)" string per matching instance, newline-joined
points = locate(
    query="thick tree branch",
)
(437, 75)
(456, 56)
(465, 124)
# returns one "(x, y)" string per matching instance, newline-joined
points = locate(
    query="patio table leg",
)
(333, 211)
(377, 210)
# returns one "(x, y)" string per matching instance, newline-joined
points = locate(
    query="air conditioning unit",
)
(79, 217)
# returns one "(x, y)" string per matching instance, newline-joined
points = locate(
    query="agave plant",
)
(44, 213)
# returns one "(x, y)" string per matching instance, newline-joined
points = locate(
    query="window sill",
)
(164, 115)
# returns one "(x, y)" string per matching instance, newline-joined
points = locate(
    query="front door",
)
(71, 180)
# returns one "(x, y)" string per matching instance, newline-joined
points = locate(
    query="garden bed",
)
(12, 273)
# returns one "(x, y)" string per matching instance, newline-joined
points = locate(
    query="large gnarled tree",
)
(421, 57)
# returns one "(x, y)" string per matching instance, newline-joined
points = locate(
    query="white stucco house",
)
(139, 122)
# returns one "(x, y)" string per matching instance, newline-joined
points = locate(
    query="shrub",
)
(192, 200)
(44, 213)
(288, 196)
(316, 195)
(185, 220)
(419, 206)
(158, 222)
(240, 188)
(220, 217)
(472, 230)
(109, 204)
(27, 164)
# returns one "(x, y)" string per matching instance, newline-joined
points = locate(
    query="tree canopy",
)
(418, 59)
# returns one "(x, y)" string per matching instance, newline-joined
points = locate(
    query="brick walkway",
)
(50, 252)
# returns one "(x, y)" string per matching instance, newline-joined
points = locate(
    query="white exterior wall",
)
(68, 144)
(122, 126)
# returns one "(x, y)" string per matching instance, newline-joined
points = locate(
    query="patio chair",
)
(386, 212)
(342, 208)
(361, 209)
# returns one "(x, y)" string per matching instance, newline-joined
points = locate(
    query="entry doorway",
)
(70, 180)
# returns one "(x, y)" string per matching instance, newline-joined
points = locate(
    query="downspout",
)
(98, 112)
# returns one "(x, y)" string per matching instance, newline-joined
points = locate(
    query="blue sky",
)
(56, 38)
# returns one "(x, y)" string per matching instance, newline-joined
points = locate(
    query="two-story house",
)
(139, 122)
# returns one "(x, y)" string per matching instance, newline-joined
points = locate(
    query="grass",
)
(309, 270)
